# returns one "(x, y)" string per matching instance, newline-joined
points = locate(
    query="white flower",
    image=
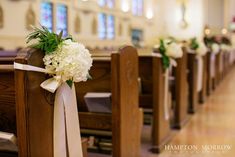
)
(71, 61)
(225, 47)
(215, 48)
(202, 49)
(174, 50)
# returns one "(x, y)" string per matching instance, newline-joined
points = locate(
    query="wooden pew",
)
(203, 92)
(192, 79)
(152, 96)
(7, 98)
(195, 96)
(30, 104)
(180, 92)
(211, 68)
(7, 92)
(116, 73)
(218, 71)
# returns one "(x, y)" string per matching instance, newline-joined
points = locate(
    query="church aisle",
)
(212, 126)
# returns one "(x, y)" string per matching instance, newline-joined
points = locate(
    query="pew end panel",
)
(126, 106)
(218, 71)
(192, 79)
(161, 125)
(181, 92)
(34, 109)
(203, 92)
(209, 77)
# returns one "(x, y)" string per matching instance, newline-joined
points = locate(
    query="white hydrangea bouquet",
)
(215, 48)
(65, 60)
(225, 47)
(169, 51)
(198, 46)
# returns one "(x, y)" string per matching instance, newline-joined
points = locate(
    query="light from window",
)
(102, 25)
(137, 7)
(108, 3)
(102, 3)
(61, 19)
(110, 27)
(106, 26)
(47, 15)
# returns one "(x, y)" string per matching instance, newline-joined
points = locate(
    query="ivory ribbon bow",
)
(200, 73)
(212, 67)
(166, 85)
(66, 131)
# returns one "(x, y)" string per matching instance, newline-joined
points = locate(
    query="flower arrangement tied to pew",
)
(169, 50)
(198, 47)
(212, 44)
(66, 61)
(226, 45)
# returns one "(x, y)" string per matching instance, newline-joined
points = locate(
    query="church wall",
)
(164, 19)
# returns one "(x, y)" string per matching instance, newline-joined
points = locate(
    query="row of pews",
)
(139, 88)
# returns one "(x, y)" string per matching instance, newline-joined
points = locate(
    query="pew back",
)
(7, 93)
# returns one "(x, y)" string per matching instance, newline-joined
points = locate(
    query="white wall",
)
(194, 18)
(229, 12)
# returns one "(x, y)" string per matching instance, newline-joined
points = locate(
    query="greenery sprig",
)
(165, 58)
(46, 41)
(194, 45)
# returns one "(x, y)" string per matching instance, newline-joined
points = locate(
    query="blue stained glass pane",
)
(110, 27)
(102, 25)
(46, 15)
(61, 19)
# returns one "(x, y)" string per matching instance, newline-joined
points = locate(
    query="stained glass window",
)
(47, 15)
(110, 27)
(106, 26)
(140, 7)
(102, 25)
(61, 19)
(108, 3)
(137, 7)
